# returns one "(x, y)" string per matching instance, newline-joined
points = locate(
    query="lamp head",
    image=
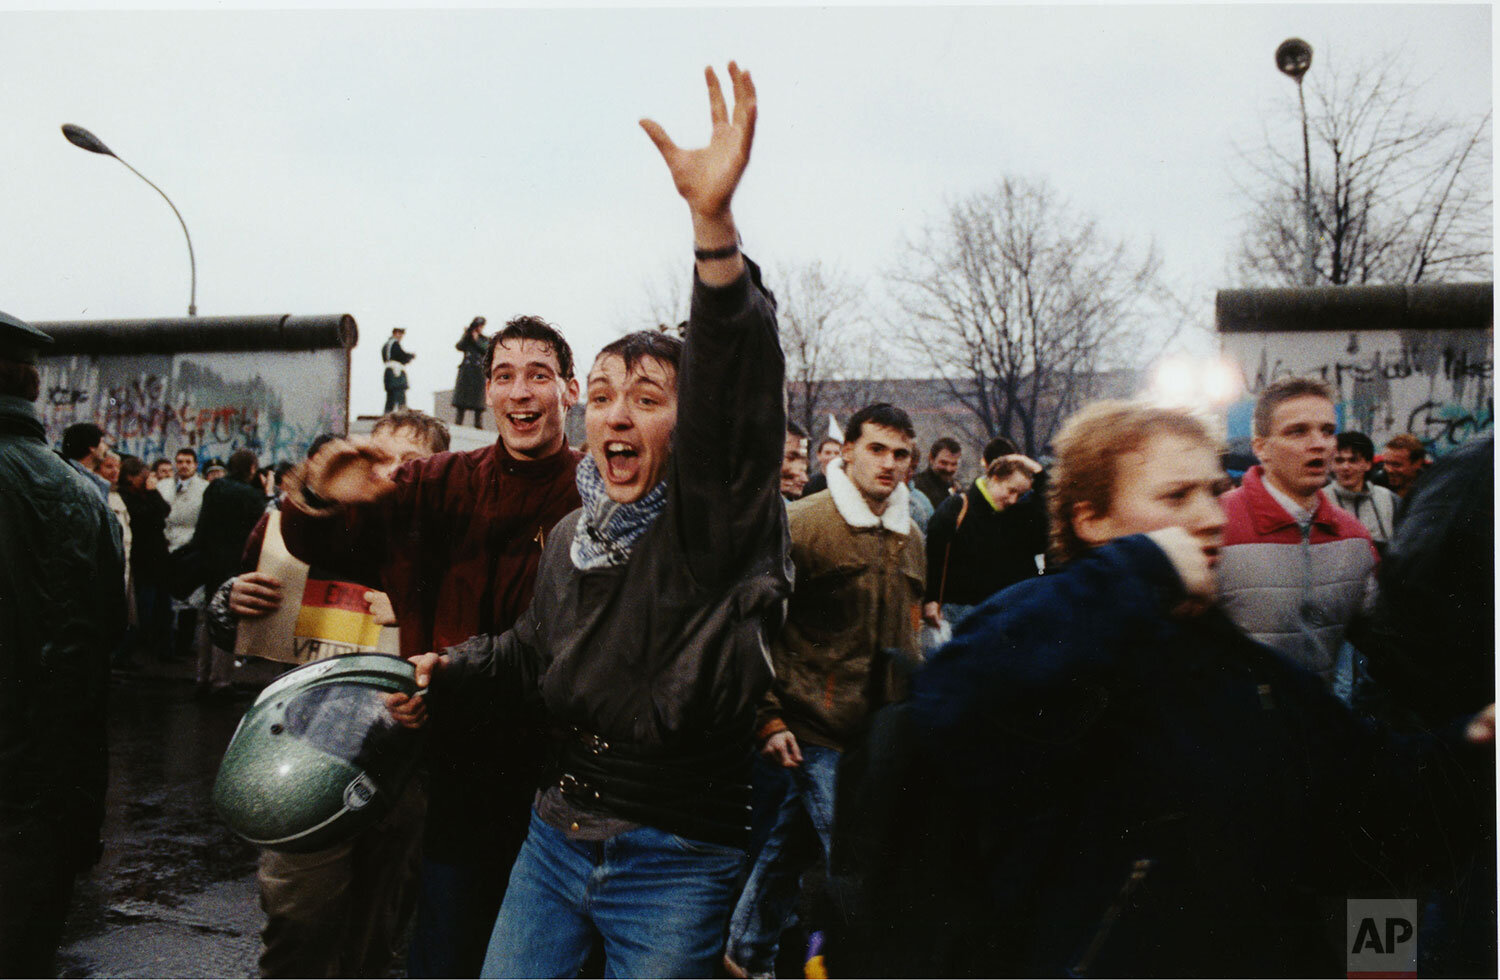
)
(1293, 58)
(84, 139)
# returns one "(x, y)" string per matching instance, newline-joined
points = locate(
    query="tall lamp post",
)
(1293, 58)
(81, 137)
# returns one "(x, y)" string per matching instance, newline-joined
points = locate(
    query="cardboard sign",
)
(319, 617)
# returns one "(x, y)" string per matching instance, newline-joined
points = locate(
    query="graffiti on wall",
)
(1437, 385)
(274, 402)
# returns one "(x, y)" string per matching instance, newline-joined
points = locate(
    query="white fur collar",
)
(856, 513)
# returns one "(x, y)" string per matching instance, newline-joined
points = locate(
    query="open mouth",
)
(524, 421)
(1211, 552)
(622, 462)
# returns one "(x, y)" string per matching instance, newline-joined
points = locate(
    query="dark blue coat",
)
(1084, 783)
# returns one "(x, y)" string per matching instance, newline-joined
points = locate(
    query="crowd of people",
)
(701, 701)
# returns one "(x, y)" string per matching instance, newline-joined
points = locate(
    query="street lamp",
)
(81, 137)
(1293, 58)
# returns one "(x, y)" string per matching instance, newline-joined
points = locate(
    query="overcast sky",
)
(416, 167)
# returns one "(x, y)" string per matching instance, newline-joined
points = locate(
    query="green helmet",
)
(318, 757)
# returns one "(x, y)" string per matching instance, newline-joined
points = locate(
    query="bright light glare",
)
(1195, 382)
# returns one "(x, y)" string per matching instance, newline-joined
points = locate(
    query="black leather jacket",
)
(651, 672)
(62, 609)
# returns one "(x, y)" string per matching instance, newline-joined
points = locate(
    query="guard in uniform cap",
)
(62, 609)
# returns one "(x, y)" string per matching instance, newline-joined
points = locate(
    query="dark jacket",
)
(990, 551)
(62, 610)
(230, 512)
(468, 387)
(1083, 783)
(148, 537)
(937, 488)
(456, 548)
(652, 671)
(1431, 642)
(392, 353)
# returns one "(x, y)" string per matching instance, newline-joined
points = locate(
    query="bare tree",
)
(1399, 195)
(819, 311)
(1018, 303)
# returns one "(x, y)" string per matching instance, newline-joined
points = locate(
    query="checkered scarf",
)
(608, 530)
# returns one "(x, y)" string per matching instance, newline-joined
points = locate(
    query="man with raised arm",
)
(646, 640)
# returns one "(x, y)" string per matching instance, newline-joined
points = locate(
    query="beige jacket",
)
(850, 640)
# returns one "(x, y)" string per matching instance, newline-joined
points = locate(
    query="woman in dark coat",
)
(148, 553)
(468, 389)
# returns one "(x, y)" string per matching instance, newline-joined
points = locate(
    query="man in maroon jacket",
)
(455, 540)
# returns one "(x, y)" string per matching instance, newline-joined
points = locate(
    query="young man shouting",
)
(654, 607)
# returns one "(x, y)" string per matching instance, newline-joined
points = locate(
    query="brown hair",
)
(1284, 390)
(525, 328)
(427, 428)
(1003, 466)
(1087, 468)
(1410, 443)
(632, 347)
(944, 443)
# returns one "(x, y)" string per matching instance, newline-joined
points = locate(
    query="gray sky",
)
(416, 167)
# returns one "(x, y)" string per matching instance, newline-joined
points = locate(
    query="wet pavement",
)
(174, 894)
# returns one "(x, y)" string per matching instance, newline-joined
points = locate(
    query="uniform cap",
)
(20, 341)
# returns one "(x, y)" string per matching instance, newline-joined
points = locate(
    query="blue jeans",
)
(658, 901)
(770, 896)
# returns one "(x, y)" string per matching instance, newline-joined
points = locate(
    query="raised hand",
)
(706, 177)
(346, 471)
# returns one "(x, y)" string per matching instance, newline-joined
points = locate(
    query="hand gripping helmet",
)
(318, 758)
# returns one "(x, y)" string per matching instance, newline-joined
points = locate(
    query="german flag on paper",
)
(335, 615)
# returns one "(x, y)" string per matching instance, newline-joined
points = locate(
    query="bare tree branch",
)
(1399, 195)
(820, 315)
(1016, 302)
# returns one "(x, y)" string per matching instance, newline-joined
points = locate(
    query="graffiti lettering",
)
(1442, 427)
(153, 407)
(60, 395)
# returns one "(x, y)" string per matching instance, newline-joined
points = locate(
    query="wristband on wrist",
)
(306, 499)
(313, 501)
(723, 252)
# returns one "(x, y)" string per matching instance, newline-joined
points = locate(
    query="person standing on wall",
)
(396, 358)
(468, 387)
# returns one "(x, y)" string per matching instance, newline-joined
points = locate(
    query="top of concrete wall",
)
(1442, 306)
(179, 335)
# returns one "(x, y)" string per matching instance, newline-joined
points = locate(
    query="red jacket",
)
(1296, 594)
(456, 547)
